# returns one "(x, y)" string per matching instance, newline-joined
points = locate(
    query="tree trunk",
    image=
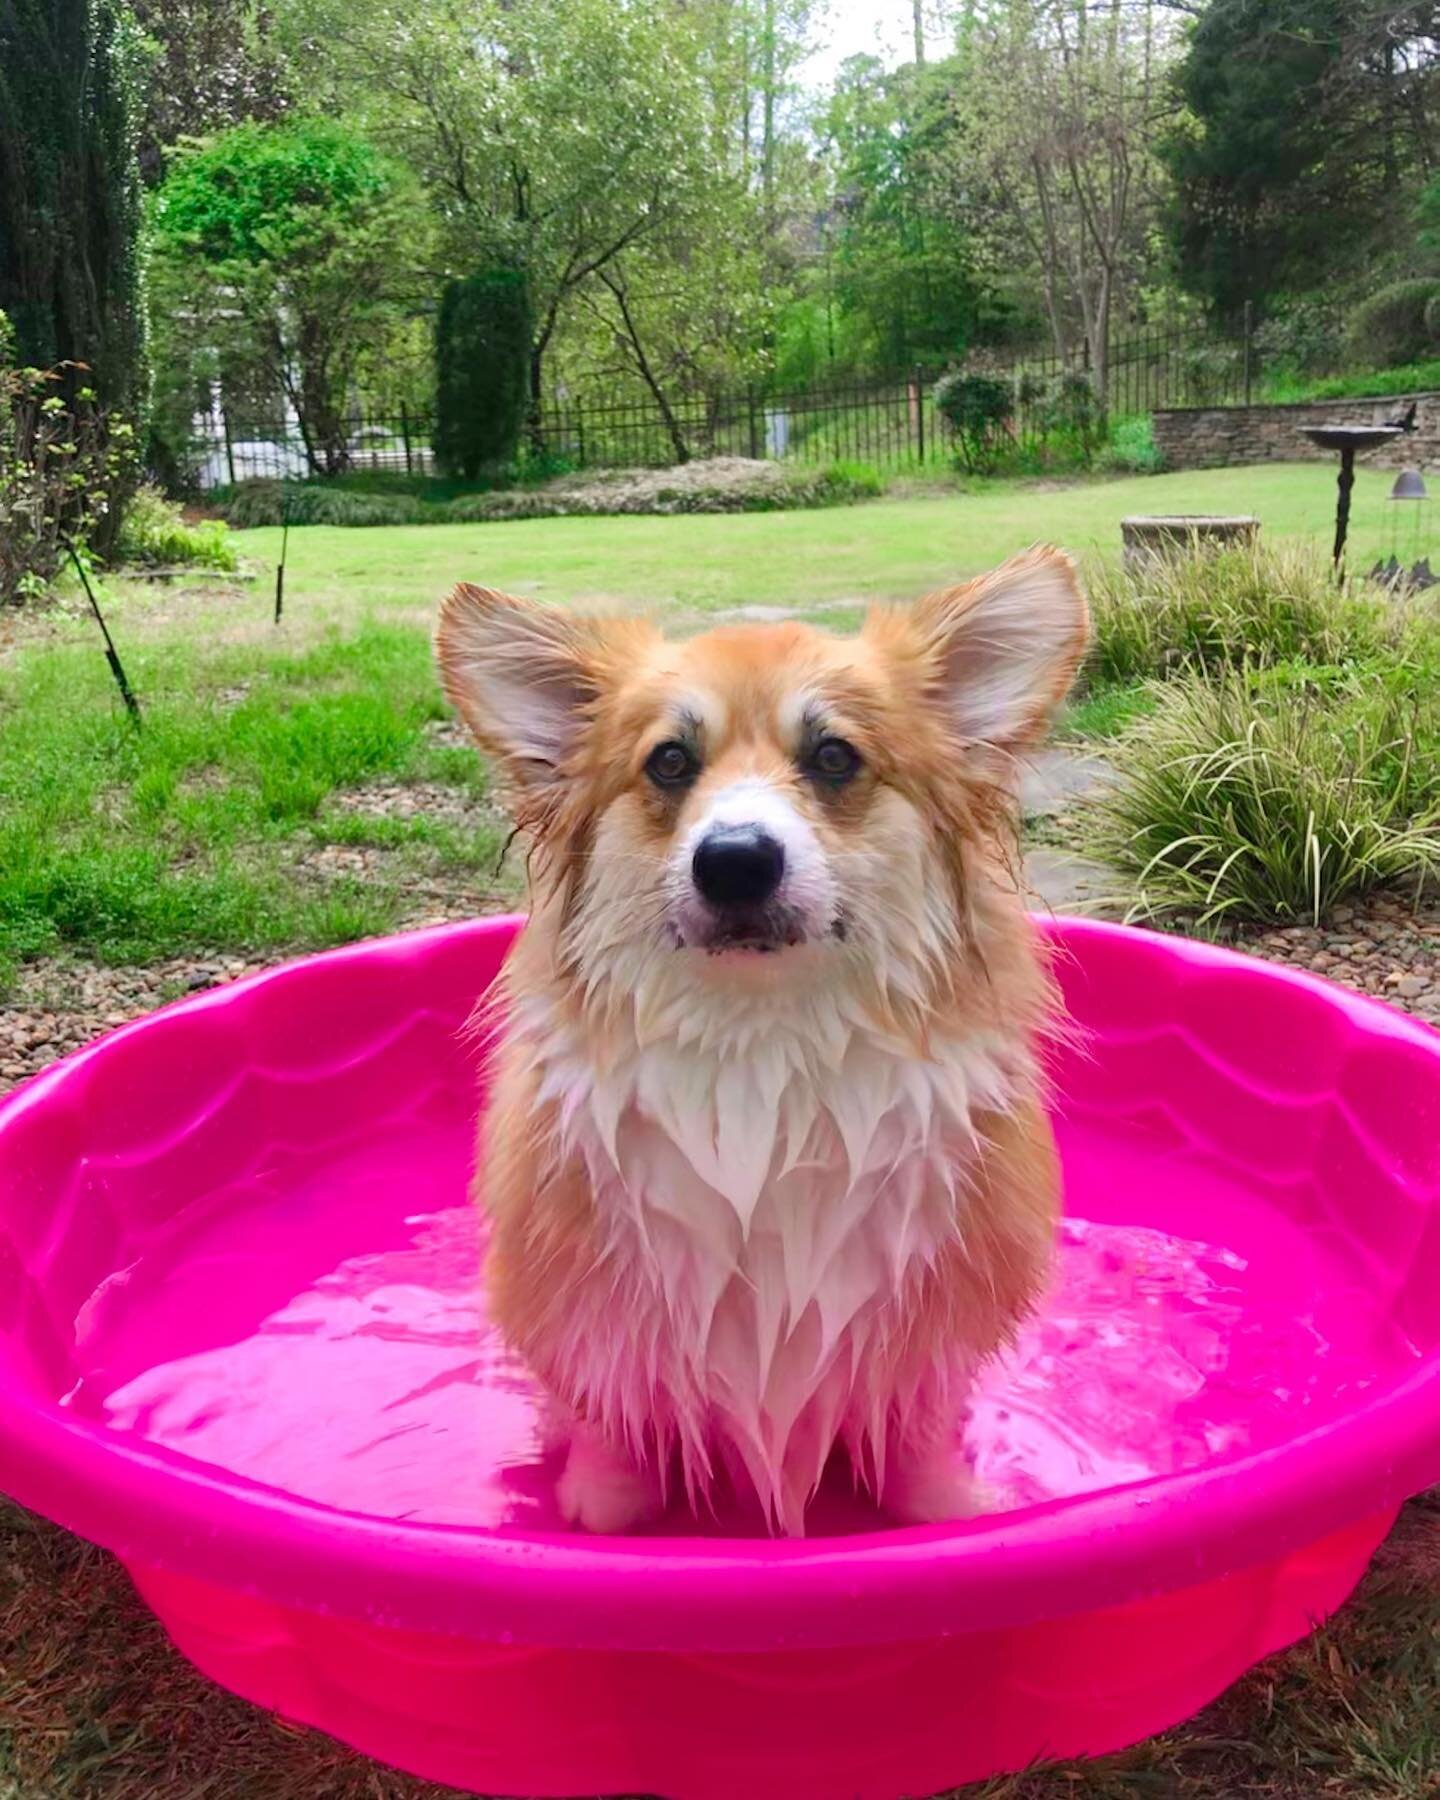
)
(534, 412)
(1100, 343)
(322, 423)
(767, 147)
(646, 371)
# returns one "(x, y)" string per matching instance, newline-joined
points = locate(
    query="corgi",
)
(766, 1161)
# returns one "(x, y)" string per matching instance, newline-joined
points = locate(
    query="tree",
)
(482, 344)
(288, 248)
(1307, 128)
(685, 315)
(900, 263)
(217, 64)
(557, 136)
(1054, 103)
(70, 274)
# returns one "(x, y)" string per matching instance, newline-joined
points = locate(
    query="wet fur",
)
(745, 1209)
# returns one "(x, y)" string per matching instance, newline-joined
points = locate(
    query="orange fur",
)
(933, 968)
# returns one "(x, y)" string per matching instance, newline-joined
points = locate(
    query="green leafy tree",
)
(554, 136)
(1307, 127)
(217, 63)
(70, 271)
(287, 251)
(899, 264)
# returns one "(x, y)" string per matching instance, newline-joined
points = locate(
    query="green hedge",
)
(482, 360)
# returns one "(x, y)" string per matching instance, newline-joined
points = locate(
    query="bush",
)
(1394, 325)
(770, 488)
(1367, 384)
(841, 484)
(1071, 411)
(1306, 337)
(155, 533)
(977, 409)
(482, 360)
(1274, 798)
(1235, 608)
(1207, 372)
(64, 469)
(1131, 448)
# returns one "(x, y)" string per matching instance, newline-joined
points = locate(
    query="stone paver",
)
(1053, 779)
(1060, 881)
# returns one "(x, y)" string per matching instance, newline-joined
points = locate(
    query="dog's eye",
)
(833, 759)
(671, 765)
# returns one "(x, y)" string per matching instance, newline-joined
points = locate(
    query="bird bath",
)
(1351, 441)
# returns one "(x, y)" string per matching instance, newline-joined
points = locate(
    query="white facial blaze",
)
(808, 887)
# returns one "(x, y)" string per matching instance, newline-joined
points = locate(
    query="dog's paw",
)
(933, 1486)
(601, 1490)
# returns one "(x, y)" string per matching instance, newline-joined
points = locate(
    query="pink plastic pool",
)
(240, 1345)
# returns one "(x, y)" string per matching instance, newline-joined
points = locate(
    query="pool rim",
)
(163, 1509)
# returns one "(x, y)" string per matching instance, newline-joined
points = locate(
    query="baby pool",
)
(241, 1345)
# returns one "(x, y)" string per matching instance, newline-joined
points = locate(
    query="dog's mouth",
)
(752, 937)
(764, 932)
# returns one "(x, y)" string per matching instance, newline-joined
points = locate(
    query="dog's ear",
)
(1004, 649)
(523, 677)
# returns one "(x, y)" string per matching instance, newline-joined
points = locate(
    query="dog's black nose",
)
(738, 865)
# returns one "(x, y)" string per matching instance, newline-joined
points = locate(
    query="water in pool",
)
(319, 1331)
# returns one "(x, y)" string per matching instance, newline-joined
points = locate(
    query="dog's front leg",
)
(929, 1478)
(602, 1489)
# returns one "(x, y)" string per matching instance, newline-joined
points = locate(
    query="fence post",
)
(919, 414)
(405, 436)
(1248, 326)
(754, 426)
(229, 447)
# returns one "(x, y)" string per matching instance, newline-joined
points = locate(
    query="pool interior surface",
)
(317, 1327)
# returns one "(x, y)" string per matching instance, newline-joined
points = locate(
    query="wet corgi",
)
(765, 1159)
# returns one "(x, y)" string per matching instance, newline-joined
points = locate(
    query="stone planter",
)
(1166, 536)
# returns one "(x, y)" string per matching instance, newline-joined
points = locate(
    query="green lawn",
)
(264, 746)
(216, 825)
(887, 549)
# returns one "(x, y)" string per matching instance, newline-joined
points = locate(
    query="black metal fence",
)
(227, 448)
(889, 421)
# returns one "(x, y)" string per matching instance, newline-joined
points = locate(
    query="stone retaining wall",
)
(1213, 437)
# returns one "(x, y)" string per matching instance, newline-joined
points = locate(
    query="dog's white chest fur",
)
(763, 1203)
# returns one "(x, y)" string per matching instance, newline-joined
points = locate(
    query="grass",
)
(1240, 607)
(95, 1705)
(1273, 800)
(892, 550)
(1282, 736)
(201, 830)
(1410, 378)
(201, 833)
(1105, 712)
